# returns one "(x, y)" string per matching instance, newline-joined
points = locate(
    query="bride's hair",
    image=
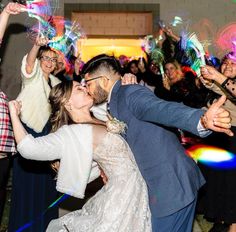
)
(59, 96)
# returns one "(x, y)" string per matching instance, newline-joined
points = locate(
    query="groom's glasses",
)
(84, 82)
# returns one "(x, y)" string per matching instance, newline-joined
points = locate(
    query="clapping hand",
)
(218, 119)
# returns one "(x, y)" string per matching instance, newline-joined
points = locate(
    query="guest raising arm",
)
(11, 8)
(211, 74)
(33, 184)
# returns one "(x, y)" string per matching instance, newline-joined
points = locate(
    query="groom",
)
(173, 179)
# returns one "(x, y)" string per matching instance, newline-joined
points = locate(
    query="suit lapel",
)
(113, 100)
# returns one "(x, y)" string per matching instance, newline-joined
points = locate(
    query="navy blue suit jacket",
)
(173, 179)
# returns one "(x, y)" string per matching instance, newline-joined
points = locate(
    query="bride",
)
(122, 204)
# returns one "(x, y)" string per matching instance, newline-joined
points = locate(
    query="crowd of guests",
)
(42, 68)
(180, 83)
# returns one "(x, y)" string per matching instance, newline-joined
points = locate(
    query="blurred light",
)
(88, 48)
(212, 156)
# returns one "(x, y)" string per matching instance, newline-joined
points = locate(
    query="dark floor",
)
(70, 204)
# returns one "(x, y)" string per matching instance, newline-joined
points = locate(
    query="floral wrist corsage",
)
(115, 126)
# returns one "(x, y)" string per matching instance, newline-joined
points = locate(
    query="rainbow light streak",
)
(60, 199)
(66, 41)
(232, 55)
(196, 65)
(41, 11)
(177, 20)
(27, 225)
(212, 156)
(161, 24)
(194, 51)
(198, 47)
(148, 44)
(38, 8)
(157, 56)
(184, 40)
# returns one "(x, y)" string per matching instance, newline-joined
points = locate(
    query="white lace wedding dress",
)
(121, 205)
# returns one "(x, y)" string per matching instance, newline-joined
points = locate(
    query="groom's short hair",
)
(102, 62)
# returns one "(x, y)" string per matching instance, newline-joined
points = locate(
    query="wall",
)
(217, 12)
(205, 17)
(15, 45)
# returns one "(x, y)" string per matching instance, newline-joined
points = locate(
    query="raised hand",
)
(14, 8)
(169, 32)
(41, 41)
(166, 82)
(11, 8)
(217, 119)
(207, 83)
(209, 72)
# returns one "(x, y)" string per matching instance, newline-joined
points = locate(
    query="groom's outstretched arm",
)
(147, 107)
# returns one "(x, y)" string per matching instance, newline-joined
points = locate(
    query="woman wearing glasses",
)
(33, 185)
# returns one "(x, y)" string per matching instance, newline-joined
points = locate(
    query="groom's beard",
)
(99, 95)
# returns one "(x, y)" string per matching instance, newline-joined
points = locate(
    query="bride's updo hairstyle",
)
(59, 96)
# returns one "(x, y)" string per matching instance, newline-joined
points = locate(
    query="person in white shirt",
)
(33, 183)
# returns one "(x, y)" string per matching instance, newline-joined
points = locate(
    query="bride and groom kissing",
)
(152, 184)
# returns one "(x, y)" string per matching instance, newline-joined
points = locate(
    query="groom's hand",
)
(129, 79)
(103, 175)
(217, 119)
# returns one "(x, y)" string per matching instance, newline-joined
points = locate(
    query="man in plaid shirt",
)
(7, 148)
(7, 143)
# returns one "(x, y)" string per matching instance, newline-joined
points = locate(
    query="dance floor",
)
(200, 224)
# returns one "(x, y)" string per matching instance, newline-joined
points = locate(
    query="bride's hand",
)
(14, 107)
(55, 165)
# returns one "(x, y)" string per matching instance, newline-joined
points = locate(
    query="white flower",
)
(115, 126)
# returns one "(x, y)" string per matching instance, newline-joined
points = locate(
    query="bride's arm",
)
(99, 132)
(42, 148)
